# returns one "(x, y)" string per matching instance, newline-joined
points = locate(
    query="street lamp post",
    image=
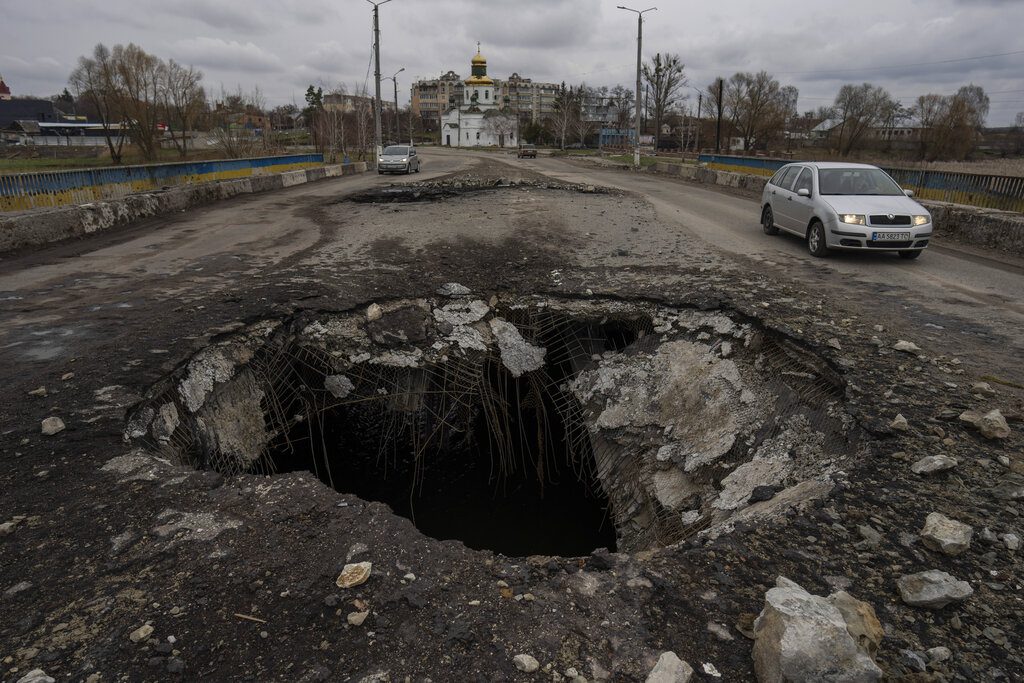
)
(639, 57)
(376, 51)
(394, 80)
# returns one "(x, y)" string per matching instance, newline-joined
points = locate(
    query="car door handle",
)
(773, 193)
(789, 199)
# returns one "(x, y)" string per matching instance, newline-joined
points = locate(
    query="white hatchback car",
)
(834, 205)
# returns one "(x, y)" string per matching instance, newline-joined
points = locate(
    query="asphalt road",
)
(968, 301)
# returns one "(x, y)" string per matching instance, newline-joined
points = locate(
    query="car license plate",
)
(890, 236)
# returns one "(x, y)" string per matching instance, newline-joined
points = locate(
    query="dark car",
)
(527, 151)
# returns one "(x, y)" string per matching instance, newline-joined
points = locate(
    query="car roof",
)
(830, 164)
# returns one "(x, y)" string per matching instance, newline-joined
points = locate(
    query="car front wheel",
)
(768, 221)
(816, 240)
(910, 255)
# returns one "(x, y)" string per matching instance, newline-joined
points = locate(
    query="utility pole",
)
(377, 110)
(639, 60)
(700, 103)
(398, 131)
(718, 127)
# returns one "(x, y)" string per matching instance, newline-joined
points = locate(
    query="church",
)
(479, 120)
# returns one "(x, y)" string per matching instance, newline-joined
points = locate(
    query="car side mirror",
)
(909, 193)
(803, 192)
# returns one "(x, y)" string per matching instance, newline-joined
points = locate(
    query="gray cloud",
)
(284, 45)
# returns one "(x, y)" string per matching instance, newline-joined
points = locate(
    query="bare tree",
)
(501, 124)
(1018, 122)
(566, 110)
(756, 105)
(137, 84)
(665, 75)
(183, 101)
(621, 102)
(859, 109)
(92, 81)
(951, 125)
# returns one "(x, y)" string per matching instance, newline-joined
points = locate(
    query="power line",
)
(903, 66)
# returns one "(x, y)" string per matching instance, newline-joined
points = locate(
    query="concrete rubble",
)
(933, 589)
(804, 637)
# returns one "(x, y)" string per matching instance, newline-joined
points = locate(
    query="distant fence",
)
(22, 191)
(972, 189)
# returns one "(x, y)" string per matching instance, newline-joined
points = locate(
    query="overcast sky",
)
(909, 46)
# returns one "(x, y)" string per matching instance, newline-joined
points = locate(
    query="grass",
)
(44, 163)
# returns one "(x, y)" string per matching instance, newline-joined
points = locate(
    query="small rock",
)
(670, 669)
(36, 676)
(992, 424)
(453, 289)
(41, 391)
(899, 423)
(526, 663)
(937, 655)
(946, 535)
(19, 587)
(912, 661)
(52, 425)
(66, 376)
(871, 537)
(933, 589)
(720, 631)
(933, 463)
(175, 665)
(374, 312)
(354, 574)
(983, 388)
(357, 618)
(141, 633)
(762, 493)
(907, 347)
(996, 635)
(1011, 541)
(834, 343)
(1010, 489)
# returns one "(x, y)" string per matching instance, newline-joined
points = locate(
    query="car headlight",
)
(404, 160)
(852, 218)
(922, 220)
(380, 160)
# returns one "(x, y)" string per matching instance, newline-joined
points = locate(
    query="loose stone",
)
(931, 464)
(354, 574)
(933, 589)
(52, 425)
(670, 669)
(526, 663)
(141, 633)
(946, 535)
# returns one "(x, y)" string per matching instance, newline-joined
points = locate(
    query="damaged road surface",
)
(489, 426)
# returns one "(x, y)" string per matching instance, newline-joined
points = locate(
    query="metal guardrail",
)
(972, 189)
(23, 191)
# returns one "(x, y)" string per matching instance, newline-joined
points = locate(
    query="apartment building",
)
(533, 101)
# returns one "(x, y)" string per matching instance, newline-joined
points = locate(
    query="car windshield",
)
(856, 181)
(396, 151)
(528, 147)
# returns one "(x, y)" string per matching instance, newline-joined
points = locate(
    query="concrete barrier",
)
(975, 226)
(42, 226)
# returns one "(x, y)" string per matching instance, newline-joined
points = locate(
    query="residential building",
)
(530, 100)
(5, 92)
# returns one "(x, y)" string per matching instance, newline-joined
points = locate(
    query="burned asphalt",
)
(126, 559)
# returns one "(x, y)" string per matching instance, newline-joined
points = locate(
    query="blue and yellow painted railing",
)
(973, 189)
(23, 191)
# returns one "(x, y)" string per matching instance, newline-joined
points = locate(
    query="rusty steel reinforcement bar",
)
(972, 225)
(1005, 193)
(24, 191)
(42, 226)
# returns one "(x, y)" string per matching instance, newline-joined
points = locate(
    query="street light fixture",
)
(394, 80)
(639, 57)
(376, 51)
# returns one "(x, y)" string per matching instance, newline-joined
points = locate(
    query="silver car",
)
(398, 159)
(835, 205)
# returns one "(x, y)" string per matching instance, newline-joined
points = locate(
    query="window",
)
(487, 94)
(478, 135)
(804, 181)
(786, 179)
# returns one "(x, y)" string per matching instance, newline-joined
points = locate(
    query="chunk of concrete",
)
(670, 669)
(946, 535)
(804, 637)
(933, 589)
(517, 354)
